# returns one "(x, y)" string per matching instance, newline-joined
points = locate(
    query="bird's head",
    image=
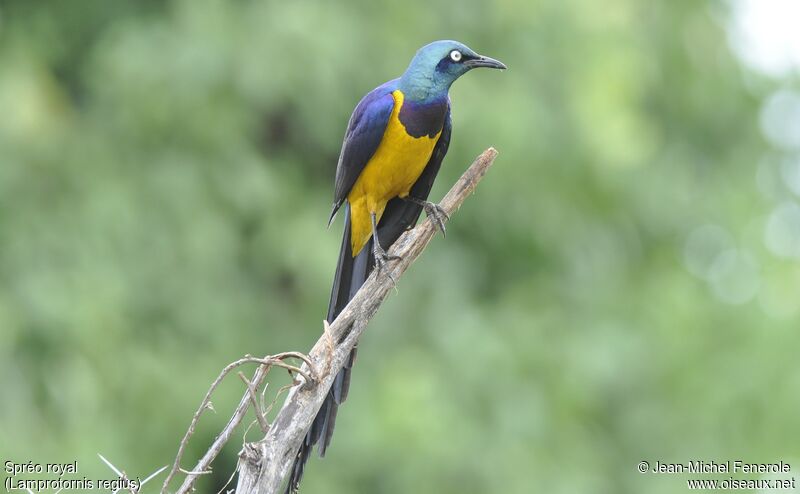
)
(437, 65)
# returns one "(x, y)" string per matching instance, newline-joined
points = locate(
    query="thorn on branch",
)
(190, 472)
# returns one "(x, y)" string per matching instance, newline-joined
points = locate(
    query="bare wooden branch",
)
(264, 464)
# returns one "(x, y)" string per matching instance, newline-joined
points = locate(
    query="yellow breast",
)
(391, 172)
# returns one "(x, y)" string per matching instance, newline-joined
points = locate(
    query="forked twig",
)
(204, 463)
(262, 420)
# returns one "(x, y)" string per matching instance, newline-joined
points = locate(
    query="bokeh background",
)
(622, 287)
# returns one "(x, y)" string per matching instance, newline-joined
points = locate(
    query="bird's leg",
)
(381, 257)
(435, 212)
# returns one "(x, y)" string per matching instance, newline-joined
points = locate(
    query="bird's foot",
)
(435, 212)
(382, 259)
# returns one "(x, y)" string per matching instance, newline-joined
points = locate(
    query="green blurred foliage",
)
(623, 286)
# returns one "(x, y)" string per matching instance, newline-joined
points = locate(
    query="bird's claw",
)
(382, 259)
(435, 212)
(438, 216)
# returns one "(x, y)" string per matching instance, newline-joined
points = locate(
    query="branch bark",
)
(264, 464)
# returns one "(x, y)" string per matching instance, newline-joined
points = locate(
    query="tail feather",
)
(351, 273)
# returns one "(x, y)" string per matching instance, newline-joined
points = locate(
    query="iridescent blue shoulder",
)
(377, 104)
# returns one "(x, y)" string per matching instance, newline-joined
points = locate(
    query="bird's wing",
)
(364, 133)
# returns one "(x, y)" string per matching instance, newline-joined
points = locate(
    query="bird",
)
(393, 148)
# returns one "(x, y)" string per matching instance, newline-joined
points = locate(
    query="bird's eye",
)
(455, 56)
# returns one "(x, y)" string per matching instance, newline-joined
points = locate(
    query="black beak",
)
(481, 61)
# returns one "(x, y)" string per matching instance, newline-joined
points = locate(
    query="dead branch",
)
(264, 464)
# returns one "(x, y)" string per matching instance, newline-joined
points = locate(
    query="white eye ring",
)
(455, 56)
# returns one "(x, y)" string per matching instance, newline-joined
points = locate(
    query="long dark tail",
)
(351, 273)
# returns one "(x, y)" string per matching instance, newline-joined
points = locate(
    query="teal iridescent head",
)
(437, 65)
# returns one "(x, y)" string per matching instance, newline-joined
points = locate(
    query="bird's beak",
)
(481, 61)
